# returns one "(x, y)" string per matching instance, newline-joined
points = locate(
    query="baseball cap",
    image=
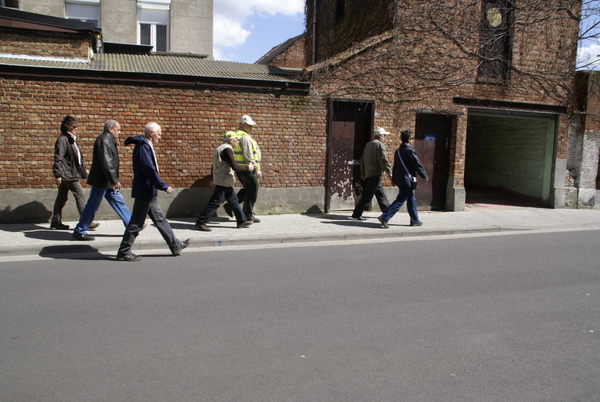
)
(247, 119)
(381, 131)
(230, 134)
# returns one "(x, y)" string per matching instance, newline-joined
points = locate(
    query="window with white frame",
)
(83, 10)
(153, 21)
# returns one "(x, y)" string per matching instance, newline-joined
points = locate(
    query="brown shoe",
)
(244, 224)
(203, 227)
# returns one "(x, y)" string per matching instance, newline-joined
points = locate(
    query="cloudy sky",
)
(245, 30)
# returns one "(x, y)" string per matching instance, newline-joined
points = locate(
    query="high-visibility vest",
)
(238, 153)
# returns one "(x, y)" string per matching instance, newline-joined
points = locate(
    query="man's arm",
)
(106, 154)
(227, 156)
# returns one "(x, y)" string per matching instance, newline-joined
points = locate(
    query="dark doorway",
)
(432, 144)
(350, 128)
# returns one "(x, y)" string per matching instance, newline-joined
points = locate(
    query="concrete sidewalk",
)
(38, 239)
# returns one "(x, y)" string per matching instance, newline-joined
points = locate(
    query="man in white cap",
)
(245, 153)
(373, 163)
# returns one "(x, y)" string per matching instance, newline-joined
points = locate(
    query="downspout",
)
(314, 35)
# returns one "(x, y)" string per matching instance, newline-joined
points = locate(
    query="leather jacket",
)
(105, 162)
(66, 162)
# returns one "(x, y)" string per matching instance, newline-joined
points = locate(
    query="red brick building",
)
(485, 85)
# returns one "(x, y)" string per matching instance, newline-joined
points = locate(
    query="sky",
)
(244, 31)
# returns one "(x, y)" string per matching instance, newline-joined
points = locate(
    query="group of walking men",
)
(239, 153)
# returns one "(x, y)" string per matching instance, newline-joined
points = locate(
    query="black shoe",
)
(93, 226)
(360, 218)
(254, 219)
(202, 227)
(228, 209)
(245, 224)
(384, 224)
(176, 251)
(129, 257)
(84, 237)
(419, 223)
(59, 226)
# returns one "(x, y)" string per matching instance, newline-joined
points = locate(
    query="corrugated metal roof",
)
(158, 64)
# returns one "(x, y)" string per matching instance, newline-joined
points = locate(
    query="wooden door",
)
(432, 144)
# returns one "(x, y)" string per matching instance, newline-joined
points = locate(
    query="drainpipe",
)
(314, 36)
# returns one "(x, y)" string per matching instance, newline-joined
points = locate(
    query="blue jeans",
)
(404, 194)
(216, 199)
(114, 198)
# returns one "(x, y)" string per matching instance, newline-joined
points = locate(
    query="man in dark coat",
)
(406, 167)
(146, 181)
(104, 179)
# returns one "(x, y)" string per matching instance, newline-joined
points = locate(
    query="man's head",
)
(406, 136)
(113, 127)
(69, 124)
(231, 138)
(152, 132)
(246, 123)
(380, 133)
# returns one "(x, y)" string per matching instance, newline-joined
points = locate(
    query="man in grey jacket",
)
(373, 163)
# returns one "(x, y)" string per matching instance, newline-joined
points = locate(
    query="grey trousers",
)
(63, 195)
(141, 209)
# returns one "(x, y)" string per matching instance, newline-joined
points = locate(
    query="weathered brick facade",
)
(289, 130)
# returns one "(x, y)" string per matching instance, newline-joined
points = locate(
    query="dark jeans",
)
(372, 188)
(141, 209)
(63, 195)
(405, 194)
(247, 196)
(216, 199)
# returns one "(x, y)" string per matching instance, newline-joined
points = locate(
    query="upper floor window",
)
(340, 10)
(9, 3)
(83, 10)
(153, 21)
(495, 39)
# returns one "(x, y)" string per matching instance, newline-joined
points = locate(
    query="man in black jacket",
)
(104, 179)
(69, 168)
(406, 167)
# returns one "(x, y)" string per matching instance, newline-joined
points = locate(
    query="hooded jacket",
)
(145, 174)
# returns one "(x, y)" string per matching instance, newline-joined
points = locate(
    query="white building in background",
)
(177, 26)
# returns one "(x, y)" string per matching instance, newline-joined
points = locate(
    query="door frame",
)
(332, 102)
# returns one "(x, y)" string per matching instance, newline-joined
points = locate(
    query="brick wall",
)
(290, 130)
(292, 57)
(47, 44)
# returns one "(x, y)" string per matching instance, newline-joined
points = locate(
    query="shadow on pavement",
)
(73, 252)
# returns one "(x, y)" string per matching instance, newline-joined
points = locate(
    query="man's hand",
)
(58, 180)
(259, 174)
(117, 186)
(211, 186)
(250, 166)
(169, 190)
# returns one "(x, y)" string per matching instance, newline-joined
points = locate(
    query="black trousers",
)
(215, 201)
(372, 188)
(248, 195)
(141, 209)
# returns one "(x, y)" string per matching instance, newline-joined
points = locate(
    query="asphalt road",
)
(496, 318)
